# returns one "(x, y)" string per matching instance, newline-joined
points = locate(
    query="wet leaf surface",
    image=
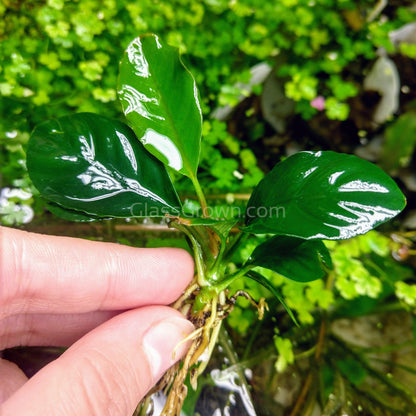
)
(294, 258)
(96, 165)
(323, 195)
(160, 100)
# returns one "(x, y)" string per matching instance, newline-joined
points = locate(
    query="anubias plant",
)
(90, 167)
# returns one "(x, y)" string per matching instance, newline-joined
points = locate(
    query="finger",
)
(12, 378)
(49, 330)
(109, 370)
(41, 273)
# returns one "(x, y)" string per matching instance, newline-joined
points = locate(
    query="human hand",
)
(103, 300)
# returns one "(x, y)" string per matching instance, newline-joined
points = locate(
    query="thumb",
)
(109, 370)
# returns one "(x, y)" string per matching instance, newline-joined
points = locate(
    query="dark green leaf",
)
(71, 215)
(264, 282)
(295, 258)
(160, 99)
(96, 165)
(323, 195)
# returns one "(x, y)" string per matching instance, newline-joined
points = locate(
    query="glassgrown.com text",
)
(220, 211)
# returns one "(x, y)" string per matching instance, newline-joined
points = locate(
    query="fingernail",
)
(162, 343)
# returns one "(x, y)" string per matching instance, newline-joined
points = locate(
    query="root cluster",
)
(207, 322)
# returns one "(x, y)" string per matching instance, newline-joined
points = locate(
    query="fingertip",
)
(110, 369)
(163, 344)
(12, 378)
(181, 263)
(167, 273)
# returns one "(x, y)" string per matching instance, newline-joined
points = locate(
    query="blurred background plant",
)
(275, 77)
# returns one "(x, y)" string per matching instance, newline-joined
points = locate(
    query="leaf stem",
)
(228, 280)
(198, 252)
(215, 270)
(200, 195)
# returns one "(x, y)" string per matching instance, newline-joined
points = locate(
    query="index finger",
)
(40, 274)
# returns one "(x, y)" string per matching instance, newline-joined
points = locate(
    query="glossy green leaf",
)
(257, 277)
(160, 100)
(323, 195)
(294, 258)
(96, 165)
(71, 215)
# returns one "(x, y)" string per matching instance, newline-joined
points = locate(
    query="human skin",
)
(107, 303)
